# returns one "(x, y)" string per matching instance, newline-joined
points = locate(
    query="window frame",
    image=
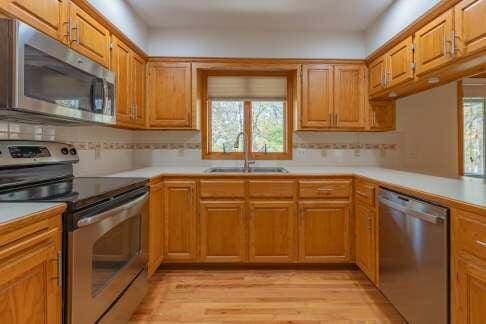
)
(460, 120)
(206, 127)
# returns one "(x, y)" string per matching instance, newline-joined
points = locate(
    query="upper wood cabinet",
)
(88, 36)
(349, 96)
(382, 115)
(155, 226)
(470, 27)
(400, 66)
(48, 16)
(180, 220)
(121, 66)
(377, 71)
(317, 96)
(433, 43)
(324, 231)
(169, 95)
(222, 231)
(333, 97)
(30, 256)
(272, 231)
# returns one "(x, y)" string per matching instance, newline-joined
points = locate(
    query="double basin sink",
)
(249, 170)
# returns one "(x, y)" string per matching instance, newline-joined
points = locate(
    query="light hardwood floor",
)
(263, 296)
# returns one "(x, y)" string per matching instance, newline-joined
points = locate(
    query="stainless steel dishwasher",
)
(414, 257)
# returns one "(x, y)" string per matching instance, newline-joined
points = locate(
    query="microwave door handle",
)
(104, 95)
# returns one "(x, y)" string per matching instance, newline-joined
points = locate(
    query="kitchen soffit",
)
(302, 15)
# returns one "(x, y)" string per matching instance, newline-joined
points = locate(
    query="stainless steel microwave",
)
(44, 81)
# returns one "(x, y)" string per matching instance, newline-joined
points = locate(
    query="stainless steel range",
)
(104, 229)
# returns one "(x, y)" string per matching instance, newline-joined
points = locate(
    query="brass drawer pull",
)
(360, 193)
(324, 189)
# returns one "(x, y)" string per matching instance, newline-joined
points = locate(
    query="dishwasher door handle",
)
(410, 212)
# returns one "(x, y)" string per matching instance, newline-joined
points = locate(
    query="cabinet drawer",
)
(271, 189)
(324, 188)
(365, 192)
(470, 234)
(222, 189)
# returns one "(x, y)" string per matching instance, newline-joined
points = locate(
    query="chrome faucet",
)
(246, 148)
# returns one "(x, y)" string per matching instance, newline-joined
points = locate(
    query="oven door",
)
(53, 79)
(105, 254)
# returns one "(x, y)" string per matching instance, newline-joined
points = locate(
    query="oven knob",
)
(73, 151)
(65, 151)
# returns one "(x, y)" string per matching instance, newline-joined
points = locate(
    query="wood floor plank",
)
(263, 297)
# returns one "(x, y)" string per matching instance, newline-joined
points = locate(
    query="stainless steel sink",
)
(251, 170)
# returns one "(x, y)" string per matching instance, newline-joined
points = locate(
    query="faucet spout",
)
(246, 150)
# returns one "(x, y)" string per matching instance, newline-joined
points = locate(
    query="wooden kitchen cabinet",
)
(433, 43)
(365, 227)
(470, 27)
(222, 231)
(180, 220)
(88, 36)
(377, 71)
(30, 256)
(272, 231)
(324, 231)
(155, 227)
(169, 95)
(47, 16)
(349, 96)
(400, 62)
(382, 115)
(317, 96)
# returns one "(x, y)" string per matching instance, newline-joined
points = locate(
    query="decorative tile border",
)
(197, 146)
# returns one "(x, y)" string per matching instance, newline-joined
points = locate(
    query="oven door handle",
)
(120, 209)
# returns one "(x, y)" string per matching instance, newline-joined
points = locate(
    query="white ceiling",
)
(301, 15)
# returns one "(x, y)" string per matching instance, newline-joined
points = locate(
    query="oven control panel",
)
(19, 153)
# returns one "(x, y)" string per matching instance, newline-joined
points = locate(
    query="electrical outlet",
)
(97, 153)
(324, 153)
(357, 152)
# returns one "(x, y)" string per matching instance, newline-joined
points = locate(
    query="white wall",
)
(427, 123)
(398, 16)
(258, 44)
(121, 15)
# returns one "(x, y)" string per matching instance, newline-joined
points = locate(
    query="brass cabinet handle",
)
(483, 244)
(361, 193)
(69, 26)
(331, 121)
(77, 33)
(369, 223)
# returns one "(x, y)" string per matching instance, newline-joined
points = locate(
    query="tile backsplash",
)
(105, 150)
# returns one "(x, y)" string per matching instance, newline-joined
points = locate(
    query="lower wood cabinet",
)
(180, 220)
(155, 226)
(222, 231)
(324, 231)
(30, 290)
(365, 225)
(272, 231)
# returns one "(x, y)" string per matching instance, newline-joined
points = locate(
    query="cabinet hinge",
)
(413, 65)
(413, 47)
(111, 45)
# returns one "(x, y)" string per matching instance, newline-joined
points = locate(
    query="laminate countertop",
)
(462, 190)
(10, 212)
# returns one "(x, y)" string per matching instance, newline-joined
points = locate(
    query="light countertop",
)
(464, 190)
(13, 211)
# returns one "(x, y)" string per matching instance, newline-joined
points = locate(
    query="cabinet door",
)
(155, 227)
(470, 292)
(120, 65)
(433, 42)
(271, 232)
(470, 27)
(138, 89)
(382, 115)
(324, 232)
(29, 290)
(169, 95)
(349, 96)
(88, 36)
(222, 231)
(377, 70)
(48, 16)
(317, 96)
(365, 239)
(400, 60)
(180, 220)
